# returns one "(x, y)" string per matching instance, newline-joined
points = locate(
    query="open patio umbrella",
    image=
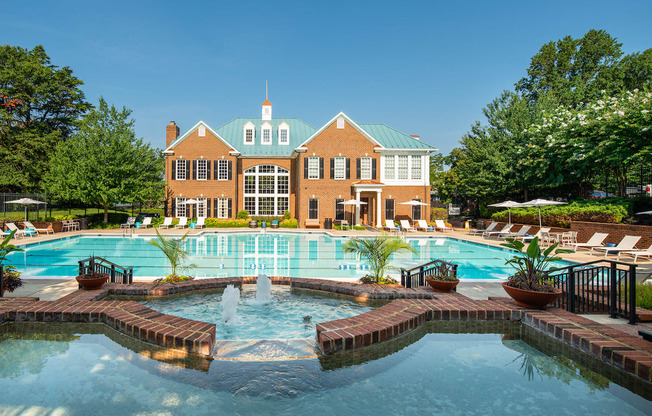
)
(189, 202)
(413, 203)
(509, 205)
(541, 203)
(353, 202)
(26, 202)
(644, 212)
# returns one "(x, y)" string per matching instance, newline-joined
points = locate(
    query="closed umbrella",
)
(509, 205)
(644, 212)
(26, 202)
(541, 203)
(353, 202)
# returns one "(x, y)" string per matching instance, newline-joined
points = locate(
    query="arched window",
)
(266, 190)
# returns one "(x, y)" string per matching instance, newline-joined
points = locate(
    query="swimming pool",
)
(246, 254)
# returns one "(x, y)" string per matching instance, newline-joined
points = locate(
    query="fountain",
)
(230, 299)
(263, 289)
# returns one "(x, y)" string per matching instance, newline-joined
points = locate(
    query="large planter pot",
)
(531, 299)
(253, 224)
(442, 286)
(92, 283)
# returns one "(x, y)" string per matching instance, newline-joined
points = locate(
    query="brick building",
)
(268, 165)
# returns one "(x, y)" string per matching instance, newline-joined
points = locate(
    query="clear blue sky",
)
(423, 67)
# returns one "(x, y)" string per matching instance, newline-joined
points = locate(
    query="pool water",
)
(291, 314)
(440, 374)
(248, 254)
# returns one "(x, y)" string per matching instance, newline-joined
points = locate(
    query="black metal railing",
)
(601, 286)
(2, 281)
(117, 274)
(416, 276)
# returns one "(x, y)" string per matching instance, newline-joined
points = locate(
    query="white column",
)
(357, 209)
(379, 222)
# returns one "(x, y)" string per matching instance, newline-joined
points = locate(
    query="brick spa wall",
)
(616, 232)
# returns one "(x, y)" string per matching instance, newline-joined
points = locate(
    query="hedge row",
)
(562, 215)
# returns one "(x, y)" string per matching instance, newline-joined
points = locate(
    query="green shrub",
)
(359, 227)
(216, 223)
(438, 214)
(562, 215)
(287, 215)
(242, 215)
(289, 223)
(268, 219)
(644, 296)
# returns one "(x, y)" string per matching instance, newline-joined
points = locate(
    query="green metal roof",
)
(233, 132)
(391, 138)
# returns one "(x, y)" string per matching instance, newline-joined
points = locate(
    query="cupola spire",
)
(267, 106)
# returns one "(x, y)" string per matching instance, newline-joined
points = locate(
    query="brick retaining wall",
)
(616, 232)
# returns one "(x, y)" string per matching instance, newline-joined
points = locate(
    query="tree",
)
(41, 105)
(377, 251)
(103, 163)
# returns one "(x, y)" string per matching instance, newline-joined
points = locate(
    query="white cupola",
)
(267, 106)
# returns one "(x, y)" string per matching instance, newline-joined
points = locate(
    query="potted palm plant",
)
(377, 252)
(92, 279)
(531, 286)
(10, 276)
(444, 279)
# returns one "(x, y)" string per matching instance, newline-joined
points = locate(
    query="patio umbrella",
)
(413, 203)
(541, 203)
(26, 202)
(509, 205)
(353, 202)
(189, 202)
(644, 212)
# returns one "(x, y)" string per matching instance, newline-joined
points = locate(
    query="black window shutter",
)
(215, 214)
(174, 207)
(194, 170)
(187, 169)
(215, 169)
(230, 168)
(348, 168)
(230, 213)
(174, 170)
(208, 170)
(373, 169)
(207, 211)
(357, 168)
(332, 168)
(321, 168)
(305, 168)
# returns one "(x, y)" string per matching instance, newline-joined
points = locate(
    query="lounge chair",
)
(183, 221)
(595, 241)
(200, 222)
(441, 225)
(505, 230)
(520, 233)
(626, 244)
(29, 226)
(635, 253)
(147, 221)
(167, 222)
(275, 224)
(19, 233)
(389, 225)
(422, 224)
(405, 226)
(539, 233)
(131, 222)
(488, 229)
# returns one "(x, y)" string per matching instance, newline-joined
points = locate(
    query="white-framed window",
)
(223, 170)
(180, 207)
(340, 168)
(249, 133)
(267, 136)
(284, 136)
(402, 167)
(181, 170)
(201, 131)
(222, 207)
(340, 122)
(365, 168)
(313, 167)
(416, 167)
(266, 190)
(390, 165)
(202, 169)
(201, 207)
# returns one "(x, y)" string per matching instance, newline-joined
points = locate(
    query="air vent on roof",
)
(340, 123)
(201, 131)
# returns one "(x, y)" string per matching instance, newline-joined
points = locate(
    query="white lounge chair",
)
(167, 222)
(405, 225)
(539, 233)
(520, 233)
(200, 222)
(28, 225)
(505, 230)
(422, 224)
(131, 221)
(489, 228)
(390, 226)
(183, 221)
(19, 233)
(147, 221)
(628, 243)
(441, 225)
(635, 253)
(595, 241)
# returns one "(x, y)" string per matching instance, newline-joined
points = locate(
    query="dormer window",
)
(284, 133)
(249, 133)
(266, 130)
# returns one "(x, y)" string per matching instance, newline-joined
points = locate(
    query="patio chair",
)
(422, 224)
(183, 221)
(520, 233)
(628, 243)
(505, 230)
(167, 222)
(635, 253)
(48, 230)
(200, 222)
(540, 233)
(131, 222)
(441, 225)
(147, 221)
(390, 226)
(569, 238)
(19, 233)
(489, 228)
(405, 226)
(595, 241)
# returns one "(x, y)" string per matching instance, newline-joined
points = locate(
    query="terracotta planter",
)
(530, 298)
(442, 286)
(92, 283)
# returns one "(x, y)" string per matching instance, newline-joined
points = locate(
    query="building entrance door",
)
(364, 211)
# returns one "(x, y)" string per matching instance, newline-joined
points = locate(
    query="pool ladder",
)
(126, 232)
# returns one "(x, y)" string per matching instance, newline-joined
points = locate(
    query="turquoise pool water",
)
(247, 254)
(440, 374)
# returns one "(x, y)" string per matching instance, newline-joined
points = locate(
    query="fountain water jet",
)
(230, 299)
(263, 289)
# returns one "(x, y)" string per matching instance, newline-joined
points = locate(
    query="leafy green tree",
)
(103, 163)
(377, 251)
(40, 105)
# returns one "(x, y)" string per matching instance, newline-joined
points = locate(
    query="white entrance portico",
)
(374, 188)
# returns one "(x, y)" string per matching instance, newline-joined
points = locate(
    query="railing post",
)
(403, 280)
(422, 279)
(2, 281)
(571, 290)
(632, 294)
(613, 291)
(81, 267)
(112, 273)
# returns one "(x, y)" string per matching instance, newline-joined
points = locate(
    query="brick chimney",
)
(171, 133)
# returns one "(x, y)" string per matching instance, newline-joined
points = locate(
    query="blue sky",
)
(423, 67)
